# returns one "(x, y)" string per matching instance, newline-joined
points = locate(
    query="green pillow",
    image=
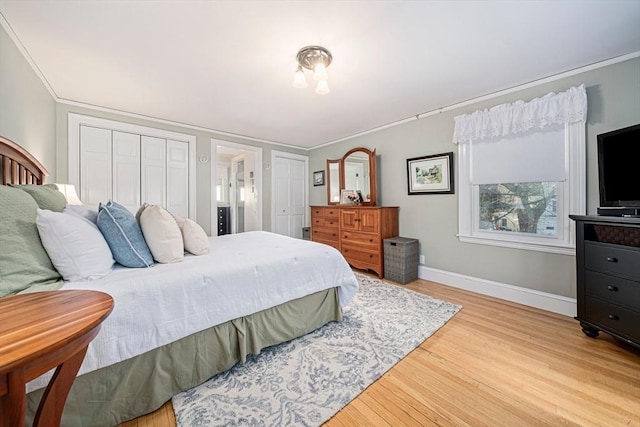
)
(46, 196)
(24, 263)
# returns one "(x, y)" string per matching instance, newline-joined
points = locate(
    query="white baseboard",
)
(532, 298)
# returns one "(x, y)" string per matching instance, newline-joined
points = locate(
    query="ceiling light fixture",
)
(316, 59)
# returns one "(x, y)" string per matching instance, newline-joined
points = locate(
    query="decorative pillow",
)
(162, 234)
(83, 211)
(123, 235)
(46, 196)
(76, 247)
(24, 264)
(195, 239)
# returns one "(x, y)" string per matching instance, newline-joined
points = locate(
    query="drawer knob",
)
(612, 259)
(612, 288)
(613, 317)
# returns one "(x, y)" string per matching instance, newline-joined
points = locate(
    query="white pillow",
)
(195, 239)
(76, 247)
(161, 233)
(83, 211)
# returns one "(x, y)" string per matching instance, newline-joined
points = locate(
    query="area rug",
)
(304, 382)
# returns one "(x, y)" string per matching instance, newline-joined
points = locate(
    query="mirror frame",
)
(373, 178)
(328, 180)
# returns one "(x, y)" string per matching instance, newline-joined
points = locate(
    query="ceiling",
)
(228, 65)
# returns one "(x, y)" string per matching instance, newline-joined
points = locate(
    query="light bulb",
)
(299, 81)
(320, 72)
(322, 88)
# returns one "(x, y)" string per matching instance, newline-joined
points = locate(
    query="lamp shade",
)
(320, 72)
(322, 88)
(70, 194)
(299, 81)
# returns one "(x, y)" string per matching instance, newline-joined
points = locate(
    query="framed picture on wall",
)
(430, 174)
(318, 178)
(349, 197)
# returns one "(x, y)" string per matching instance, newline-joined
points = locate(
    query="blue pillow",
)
(124, 236)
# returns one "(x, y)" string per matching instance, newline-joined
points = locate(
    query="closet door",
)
(289, 196)
(95, 161)
(126, 170)
(178, 178)
(154, 177)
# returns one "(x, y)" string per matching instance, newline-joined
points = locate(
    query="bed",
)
(174, 326)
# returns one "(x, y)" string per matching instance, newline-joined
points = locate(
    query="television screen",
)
(619, 167)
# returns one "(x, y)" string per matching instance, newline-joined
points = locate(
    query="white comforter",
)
(243, 274)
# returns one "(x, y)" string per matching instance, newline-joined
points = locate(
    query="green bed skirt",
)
(142, 384)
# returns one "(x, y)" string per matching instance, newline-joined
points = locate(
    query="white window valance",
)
(520, 116)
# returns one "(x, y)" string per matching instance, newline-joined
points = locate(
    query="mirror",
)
(334, 183)
(355, 171)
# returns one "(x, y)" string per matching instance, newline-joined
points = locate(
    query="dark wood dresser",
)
(608, 275)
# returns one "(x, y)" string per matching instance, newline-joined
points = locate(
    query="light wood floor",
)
(495, 363)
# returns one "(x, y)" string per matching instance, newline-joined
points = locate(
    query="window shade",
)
(530, 157)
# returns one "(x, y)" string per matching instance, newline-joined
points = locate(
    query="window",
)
(522, 173)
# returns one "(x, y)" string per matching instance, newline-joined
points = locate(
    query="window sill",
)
(539, 247)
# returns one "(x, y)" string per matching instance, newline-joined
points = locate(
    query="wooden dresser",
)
(356, 231)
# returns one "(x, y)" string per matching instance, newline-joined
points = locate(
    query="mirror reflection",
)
(333, 181)
(357, 174)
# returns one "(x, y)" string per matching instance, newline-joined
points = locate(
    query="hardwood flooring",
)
(496, 363)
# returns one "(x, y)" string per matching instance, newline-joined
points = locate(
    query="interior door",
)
(289, 195)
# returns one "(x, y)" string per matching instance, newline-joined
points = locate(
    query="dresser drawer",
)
(333, 243)
(614, 318)
(612, 260)
(611, 288)
(325, 212)
(326, 222)
(324, 233)
(361, 239)
(360, 254)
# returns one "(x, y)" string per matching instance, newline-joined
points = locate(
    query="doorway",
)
(236, 203)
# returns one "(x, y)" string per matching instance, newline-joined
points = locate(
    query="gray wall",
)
(203, 147)
(27, 109)
(614, 102)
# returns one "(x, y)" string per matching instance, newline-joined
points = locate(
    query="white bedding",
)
(243, 274)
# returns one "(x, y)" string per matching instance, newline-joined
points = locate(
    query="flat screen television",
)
(619, 168)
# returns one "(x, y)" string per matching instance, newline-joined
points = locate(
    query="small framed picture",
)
(349, 197)
(430, 174)
(318, 178)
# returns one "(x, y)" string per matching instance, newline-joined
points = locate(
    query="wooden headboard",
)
(18, 166)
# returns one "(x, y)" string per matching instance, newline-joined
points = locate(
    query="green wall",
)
(27, 109)
(614, 102)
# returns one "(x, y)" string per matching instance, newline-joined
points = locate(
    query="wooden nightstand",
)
(39, 332)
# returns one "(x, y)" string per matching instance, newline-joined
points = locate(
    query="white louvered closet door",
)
(96, 166)
(178, 178)
(154, 170)
(131, 169)
(126, 169)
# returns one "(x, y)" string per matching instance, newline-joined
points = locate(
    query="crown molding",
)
(7, 27)
(594, 66)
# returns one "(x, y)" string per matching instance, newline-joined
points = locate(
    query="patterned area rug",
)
(304, 382)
